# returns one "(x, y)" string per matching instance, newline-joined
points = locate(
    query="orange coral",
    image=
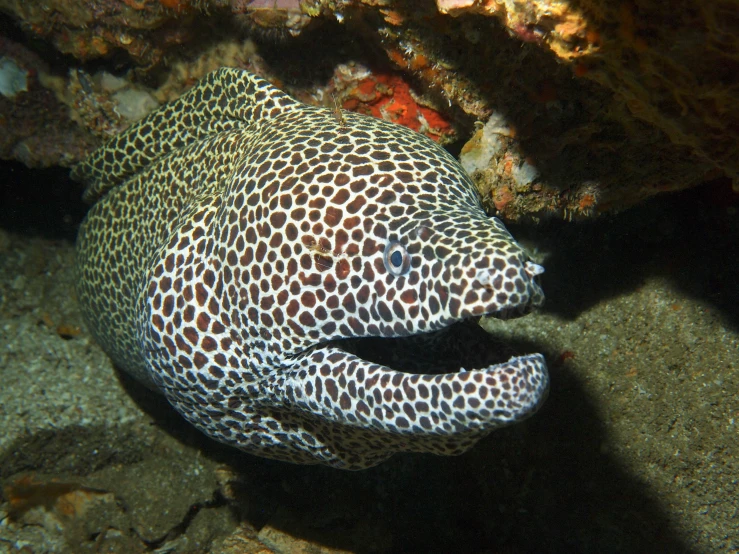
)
(501, 197)
(393, 17)
(587, 202)
(389, 97)
(176, 5)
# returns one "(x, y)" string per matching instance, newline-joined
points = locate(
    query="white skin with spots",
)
(237, 235)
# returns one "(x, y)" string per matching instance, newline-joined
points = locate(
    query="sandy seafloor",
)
(635, 450)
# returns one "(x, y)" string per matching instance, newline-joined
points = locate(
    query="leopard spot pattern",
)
(237, 236)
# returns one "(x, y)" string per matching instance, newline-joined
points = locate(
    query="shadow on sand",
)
(688, 237)
(543, 485)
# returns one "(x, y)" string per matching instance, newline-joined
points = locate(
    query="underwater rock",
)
(273, 19)
(12, 78)
(611, 102)
(36, 127)
(94, 29)
(133, 104)
(669, 65)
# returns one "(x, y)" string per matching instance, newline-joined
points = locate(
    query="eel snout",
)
(507, 293)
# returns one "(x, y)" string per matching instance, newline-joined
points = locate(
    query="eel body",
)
(238, 235)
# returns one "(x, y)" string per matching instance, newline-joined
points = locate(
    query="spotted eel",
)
(236, 235)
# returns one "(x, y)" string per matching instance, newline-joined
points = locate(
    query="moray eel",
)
(237, 235)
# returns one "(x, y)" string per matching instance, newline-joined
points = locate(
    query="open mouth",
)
(461, 346)
(437, 392)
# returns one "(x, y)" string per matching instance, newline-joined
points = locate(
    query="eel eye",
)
(396, 258)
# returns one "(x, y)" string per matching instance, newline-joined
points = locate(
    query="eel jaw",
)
(440, 413)
(360, 413)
